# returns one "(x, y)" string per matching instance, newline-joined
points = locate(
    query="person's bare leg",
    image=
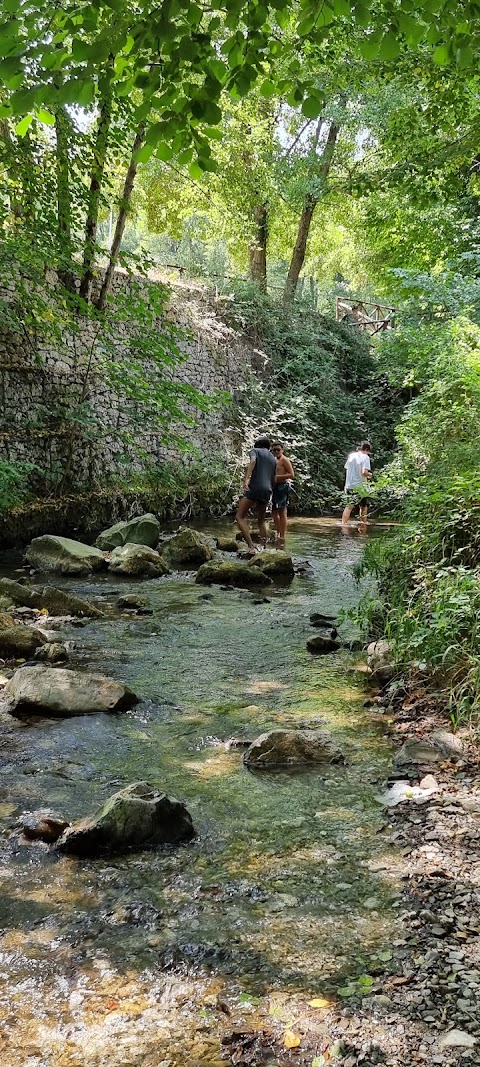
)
(347, 511)
(276, 520)
(282, 525)
(262, 526)
(241, 517)
(363, 513)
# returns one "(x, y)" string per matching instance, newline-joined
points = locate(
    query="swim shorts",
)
(281, 496)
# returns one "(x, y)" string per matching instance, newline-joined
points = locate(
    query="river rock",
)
(44, 825)
(227, 544)
(52, 652)
(457, 1039)
(6, 604)
(322, 644)
(56, 601)
(144, 530)
(61, 554)
(137, 561)
(380, 660)
(136, 817)
(449, 745)
(19, 642)
(229, 572)
(132, 602)
(289, 748)
(55, 692)
(187, 546)
(417, 751)
(273, 562)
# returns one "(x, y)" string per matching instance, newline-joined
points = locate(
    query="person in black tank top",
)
(258, 485)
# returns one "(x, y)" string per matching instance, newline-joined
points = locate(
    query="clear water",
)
(117, 961)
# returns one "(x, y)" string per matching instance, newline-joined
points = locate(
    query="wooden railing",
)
(365, 315)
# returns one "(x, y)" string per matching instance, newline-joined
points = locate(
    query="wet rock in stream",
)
(43, 825)
(290, 748)
(137, 561)
(62, 554)
(323, 644)
(222, 572)
(56, 601)
(55, 692)
(187, 546)
(274, 562)
(132, 602)
(19, 642)
(144, 530)
(136, 817)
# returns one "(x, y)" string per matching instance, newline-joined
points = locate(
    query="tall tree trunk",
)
(311, 200)
(122, 217)
(258, 247)
(64, 206)
(96, 182)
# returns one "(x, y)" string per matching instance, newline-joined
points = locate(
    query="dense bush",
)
(321, 391)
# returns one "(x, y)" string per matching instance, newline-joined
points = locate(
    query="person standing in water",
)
(281, 493)
(258, 485)
(358, 473)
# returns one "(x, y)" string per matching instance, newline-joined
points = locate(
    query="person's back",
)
(262, 478)
(357, 463)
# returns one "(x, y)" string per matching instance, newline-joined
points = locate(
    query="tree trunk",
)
(309, 205)
(121, 218)
(96, 181)
(258, 248)
(64, 207)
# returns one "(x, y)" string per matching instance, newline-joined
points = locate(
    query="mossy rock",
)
(272, 562)
(58, 693)
(6, 604)
(63, 555)
(56, 601)
(136, 817)
(134, 561)
(226, 572)
(292, 748)
(227, 544)
(20, 642)
(187, 546)
(144, 530)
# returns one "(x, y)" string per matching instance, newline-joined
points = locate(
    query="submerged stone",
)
(322, 644)
(55, 692)
(138, 816)
(187, 546)
(56, 601)
(137, 561)
(44, 825)
(229, 572)
(273, 562)
(290, 748)
(144, 530)
(62, 554)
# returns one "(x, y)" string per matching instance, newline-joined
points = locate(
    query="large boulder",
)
(61, 554)
(56, 601)
(137, 561)
(59, 693)
(135, 817)
(290, 748)
(19, 642)
(380, 660)
(274, 562)
(187, 546)
(145, 530)
(229, 572)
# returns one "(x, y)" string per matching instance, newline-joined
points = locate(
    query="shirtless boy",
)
(258, 484)
(281, 493)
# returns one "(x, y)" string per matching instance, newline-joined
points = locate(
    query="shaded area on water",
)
(283, 887)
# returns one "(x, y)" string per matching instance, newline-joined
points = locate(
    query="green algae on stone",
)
(144, 530)
(273, 562)
(226, 572)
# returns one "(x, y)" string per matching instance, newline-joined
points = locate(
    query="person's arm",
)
(287, 473)
(366, 470)
(249, 471)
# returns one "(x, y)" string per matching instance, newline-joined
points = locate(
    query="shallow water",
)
(283, 892)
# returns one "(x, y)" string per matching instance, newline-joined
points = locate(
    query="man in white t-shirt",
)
(358, 473)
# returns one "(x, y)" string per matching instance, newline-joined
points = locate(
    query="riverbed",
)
(151, 959)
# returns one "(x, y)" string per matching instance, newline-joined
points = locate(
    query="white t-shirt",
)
(356, 464)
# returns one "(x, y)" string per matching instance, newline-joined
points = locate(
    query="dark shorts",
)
(352, 497)
(281, 496)
(255, 497)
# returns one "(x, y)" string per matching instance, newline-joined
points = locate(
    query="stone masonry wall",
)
(35, 379)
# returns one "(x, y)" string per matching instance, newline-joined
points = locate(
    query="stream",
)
(148, 959)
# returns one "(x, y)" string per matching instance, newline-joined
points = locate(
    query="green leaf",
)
(195, 171)
(442, 55)
(465, 57)
(312, 107)
(389, 47)
(45, 116)
(267, 89)
(24, 125)
(164, 152)
(143, 154)
(370, 45)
